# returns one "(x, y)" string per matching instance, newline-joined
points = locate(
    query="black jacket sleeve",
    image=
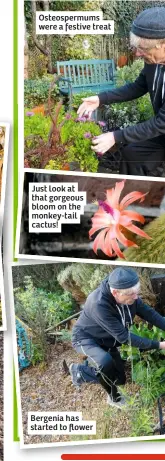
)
(150, 315)
(115, 328)
(126, 92)
(151, 128)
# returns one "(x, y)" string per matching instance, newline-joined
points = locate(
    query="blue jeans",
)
(106, 366)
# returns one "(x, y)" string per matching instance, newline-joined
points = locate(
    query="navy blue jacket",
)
(152, 80)
(108, 322)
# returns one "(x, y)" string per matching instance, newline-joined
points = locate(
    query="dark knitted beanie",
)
(123, 277)
(150, 23)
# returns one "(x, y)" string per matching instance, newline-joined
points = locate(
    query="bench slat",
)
(87, 74)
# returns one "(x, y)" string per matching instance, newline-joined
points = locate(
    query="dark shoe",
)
(75, 374)
(117, 403)
(65, 367)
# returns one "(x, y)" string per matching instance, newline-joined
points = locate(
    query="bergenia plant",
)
(113, 222)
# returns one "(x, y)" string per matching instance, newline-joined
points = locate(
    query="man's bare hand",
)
(88, 106)
(162, 345)
(103, 142)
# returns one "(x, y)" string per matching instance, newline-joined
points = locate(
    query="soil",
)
(50, 389)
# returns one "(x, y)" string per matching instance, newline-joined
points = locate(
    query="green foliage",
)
(42, 275)
(66, 336)
(77, 98)
(75, 49)
(86, 277)
(38, 354)
(77, 145)
(129, 73)
(58, 164)
(37, 126)
(36, 91)
(37, 64)
(132, 353)
(41, 310)
(56, 306)
(142, 421)
(72, 134)
(129, 113)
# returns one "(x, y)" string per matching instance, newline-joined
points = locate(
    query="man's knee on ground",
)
(105, 364)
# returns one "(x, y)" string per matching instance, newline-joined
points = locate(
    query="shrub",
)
(129, 73)
(35, 127)
(77, 134)
(69, 141)
(123, 114)
(77, 98)
(36, 91)
(132, 353)
(41, 310)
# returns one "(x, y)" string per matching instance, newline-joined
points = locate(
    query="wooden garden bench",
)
(92, 75)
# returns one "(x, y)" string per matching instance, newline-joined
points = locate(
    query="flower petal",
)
(134, 216)
(116, 249)
(95, 229)
(113, 195)
(121, 237)
(132, 197)
(101, 218)
(107, 245)
(138, 231)
(99, 241)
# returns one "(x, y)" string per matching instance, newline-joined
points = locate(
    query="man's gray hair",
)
(145, 43)
(127, 291)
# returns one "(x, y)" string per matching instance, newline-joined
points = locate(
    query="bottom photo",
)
(89, 352)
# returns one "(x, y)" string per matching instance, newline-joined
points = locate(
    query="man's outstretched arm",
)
(150, 315)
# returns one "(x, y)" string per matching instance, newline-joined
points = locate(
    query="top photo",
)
(95, 102)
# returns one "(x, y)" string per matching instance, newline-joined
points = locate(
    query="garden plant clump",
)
(55, 141)
(123, 114)
(53, 137)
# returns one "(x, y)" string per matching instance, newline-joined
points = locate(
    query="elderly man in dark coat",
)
(104, 325)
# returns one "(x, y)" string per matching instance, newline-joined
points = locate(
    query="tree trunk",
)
(48, 41)
(26, 52)
(36, 41)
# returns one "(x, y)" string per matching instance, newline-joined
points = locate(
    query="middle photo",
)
(65, 215)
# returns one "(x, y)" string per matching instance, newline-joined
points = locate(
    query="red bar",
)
(107, 457)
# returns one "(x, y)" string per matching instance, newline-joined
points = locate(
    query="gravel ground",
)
(50, 389)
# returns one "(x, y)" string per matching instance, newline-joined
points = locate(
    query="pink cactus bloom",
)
(114, 221)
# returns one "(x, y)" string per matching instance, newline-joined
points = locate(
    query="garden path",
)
(50, 389)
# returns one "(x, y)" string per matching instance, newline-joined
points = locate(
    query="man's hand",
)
(88, 106)
(162, 345)
(103, 142)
